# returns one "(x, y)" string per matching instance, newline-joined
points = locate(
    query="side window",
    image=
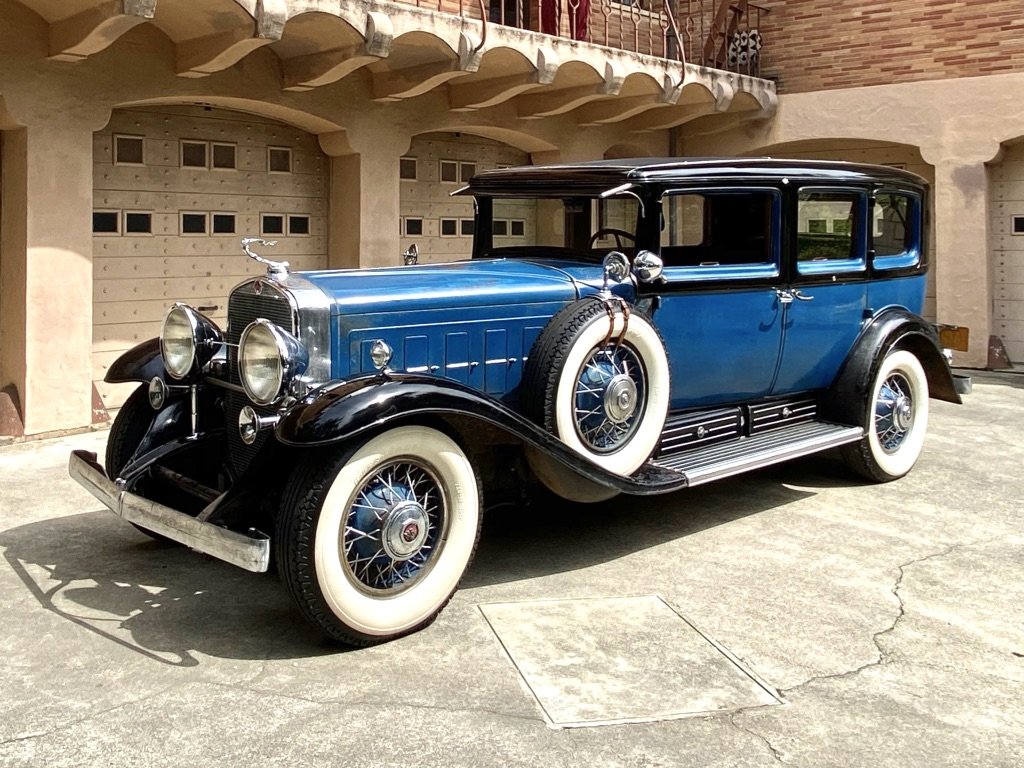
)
(724, 233)
(896, 230)
(829, 236)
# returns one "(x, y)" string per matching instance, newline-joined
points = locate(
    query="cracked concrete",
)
(890, 618)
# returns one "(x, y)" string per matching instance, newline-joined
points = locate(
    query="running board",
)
(704, 465)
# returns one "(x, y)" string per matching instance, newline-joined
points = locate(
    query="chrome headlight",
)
(268, 360)
(188, 340)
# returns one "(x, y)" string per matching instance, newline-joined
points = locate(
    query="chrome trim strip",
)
(248, 551)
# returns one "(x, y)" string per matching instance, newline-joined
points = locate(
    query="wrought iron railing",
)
(723, 34)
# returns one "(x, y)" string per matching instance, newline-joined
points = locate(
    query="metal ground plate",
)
(603, 661)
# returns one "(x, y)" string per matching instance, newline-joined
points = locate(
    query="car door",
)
(718, 309)
(826, 291)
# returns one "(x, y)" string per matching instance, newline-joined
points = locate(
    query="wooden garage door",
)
(1007, 248)
(175, 189)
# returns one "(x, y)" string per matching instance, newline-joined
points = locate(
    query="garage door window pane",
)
(272, 224)
(193, 223)
(105, 222)
(224, 156)
(138, 223)
(298, 225)
(279, 160)
(223, 223)
(193, 154)
(128, 150)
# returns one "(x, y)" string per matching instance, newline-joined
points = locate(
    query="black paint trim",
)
(140, 363)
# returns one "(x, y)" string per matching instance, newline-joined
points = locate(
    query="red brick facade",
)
(815, 45)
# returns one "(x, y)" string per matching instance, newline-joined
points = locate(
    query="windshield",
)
(573, 226)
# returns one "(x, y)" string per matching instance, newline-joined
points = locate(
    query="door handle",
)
(800, 296)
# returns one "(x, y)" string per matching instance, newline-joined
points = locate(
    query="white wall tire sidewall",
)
(389, 615)
(645, 340)
(900, 463)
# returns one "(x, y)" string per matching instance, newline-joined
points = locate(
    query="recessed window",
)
(223, 156)
(817, 226)
(272, 224)
(129, 150)
(298, 225)
(466, 172)
(279, 159)
(193, 223)
(466, 227)
(1018, 225)
(413, 227)
(501, 227)
(193, 154)
(138, 223)
(106, 222)
(449, 171)
(449, 227)
(223, 223)
(517, 227)
(407, 169)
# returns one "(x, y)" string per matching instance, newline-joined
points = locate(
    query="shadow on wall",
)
(172, 605)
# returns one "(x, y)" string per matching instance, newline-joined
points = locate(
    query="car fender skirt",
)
(345, 410)
(888, 330)
(140, 363)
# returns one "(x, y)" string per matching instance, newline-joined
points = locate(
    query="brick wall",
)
(822, 44)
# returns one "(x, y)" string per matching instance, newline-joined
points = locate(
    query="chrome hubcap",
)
(396, 522)
(894, 412)
(620, 399)
(611, 390)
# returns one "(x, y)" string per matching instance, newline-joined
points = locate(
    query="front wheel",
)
(895, 422)
(372, 543)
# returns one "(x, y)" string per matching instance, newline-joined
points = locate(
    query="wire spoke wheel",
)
(396, 521)
(894, 412)
(611, 392)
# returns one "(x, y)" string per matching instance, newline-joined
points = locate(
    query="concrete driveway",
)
(795, 616)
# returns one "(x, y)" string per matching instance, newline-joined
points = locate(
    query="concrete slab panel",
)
(603, 661)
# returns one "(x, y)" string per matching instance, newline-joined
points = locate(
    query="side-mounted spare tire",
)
(598, 379)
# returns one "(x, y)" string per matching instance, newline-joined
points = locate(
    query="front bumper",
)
(250, 551)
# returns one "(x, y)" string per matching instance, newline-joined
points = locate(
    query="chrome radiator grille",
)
(244, 306)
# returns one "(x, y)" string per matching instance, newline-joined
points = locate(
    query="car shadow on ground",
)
(173, 605)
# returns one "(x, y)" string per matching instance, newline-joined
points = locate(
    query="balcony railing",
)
(723, 34)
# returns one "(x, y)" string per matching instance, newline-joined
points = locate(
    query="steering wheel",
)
(618, 234)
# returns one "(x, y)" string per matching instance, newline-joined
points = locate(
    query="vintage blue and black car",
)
(628, 326)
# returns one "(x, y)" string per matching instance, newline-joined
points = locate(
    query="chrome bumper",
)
(251, 552)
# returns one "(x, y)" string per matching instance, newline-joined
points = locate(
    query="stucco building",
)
(140, 139)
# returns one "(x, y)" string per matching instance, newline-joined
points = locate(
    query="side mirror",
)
(411, 256)
(648, 268)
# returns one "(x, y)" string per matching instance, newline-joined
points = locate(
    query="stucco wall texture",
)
(813, 45)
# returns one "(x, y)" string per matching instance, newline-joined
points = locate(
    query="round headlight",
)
(178, 340)
(268, 359)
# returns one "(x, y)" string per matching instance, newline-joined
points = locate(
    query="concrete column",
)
(46, 271)
(365, 204)
(961, 262)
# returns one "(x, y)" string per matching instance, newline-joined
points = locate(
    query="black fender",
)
(142, 363)
(346, 410)
(889, 330)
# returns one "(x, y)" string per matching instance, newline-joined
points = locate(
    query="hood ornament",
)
(274, 268)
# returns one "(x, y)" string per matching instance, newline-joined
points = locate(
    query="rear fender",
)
(890, 330)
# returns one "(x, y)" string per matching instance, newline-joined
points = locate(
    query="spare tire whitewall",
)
(599, 380)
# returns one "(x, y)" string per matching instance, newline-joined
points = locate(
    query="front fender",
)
(891, 329)
(140, 363)
(357, 406)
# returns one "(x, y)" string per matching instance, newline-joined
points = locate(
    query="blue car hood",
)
(454, 285)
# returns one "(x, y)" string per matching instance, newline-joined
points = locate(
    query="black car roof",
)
(600, 175)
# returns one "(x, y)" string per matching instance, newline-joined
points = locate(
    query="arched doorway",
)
(1006, 250)
(175, 188)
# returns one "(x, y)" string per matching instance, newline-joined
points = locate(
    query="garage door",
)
(175, 188)
(1007, 241)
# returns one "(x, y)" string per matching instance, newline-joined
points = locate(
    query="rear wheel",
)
(371, 544)
(896, 420)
